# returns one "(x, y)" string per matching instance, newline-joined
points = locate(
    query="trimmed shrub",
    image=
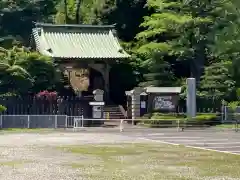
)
(159, 120)
(205, 119)
(167, 120)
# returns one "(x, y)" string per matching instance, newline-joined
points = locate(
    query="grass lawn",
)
(228, 126)
(151, 162)
(13, 163)
(26, 130)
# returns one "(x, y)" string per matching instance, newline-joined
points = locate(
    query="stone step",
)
(113, 112)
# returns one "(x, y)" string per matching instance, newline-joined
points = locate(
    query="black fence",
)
(71, 106)
(33, 121)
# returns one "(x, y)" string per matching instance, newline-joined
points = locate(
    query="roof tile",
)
(78, 42)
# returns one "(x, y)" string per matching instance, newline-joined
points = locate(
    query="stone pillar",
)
(136, 102)
(191, 97)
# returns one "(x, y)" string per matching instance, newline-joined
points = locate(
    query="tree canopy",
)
(168, 40)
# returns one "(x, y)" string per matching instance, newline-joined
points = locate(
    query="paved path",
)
(210, 138)
(228, 141)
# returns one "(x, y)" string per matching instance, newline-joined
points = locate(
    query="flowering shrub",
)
(47, 95)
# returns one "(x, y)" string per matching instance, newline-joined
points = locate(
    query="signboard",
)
(163, 103)
(97, 112)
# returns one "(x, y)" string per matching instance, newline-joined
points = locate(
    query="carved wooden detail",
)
(79, 79)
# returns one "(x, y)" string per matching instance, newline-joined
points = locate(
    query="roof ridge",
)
(39, 24)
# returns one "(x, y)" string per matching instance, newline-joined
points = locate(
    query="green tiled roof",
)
(77, 41)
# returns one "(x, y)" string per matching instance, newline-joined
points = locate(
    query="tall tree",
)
(227, 37)
(78, 4)
(14, 77)
(159, 72)
(22, 71)
(182, 29)
(22, 14)
(78, 11)
(126, 14)
(217, 82)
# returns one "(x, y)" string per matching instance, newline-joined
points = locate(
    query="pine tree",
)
(217, 81)
(159, 74)
(183, 29)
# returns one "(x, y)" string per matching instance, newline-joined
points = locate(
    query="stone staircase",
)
(113, 112)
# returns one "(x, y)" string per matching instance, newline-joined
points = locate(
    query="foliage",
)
(43, 71)
(169, 41)
(217, 81)
(80, 11)
(14, 77)
(159, 72)
(171, 120)
(183, 30)
(22, 14)
(166, 116)
(47, 95)
(2, 108)
(206, 117)
(233, 105)
(25, 72)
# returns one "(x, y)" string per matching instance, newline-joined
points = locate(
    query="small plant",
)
(2, 108)
(47, 95)
(233, 105)
(235, 116)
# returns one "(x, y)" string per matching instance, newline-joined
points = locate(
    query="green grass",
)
(12, 163)
(151, 161)
(228, 126)
(25, 130)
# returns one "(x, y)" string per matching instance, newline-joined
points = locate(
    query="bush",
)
(2, 108)
(173, 120)
(167, 116)
(161, 120)
(205, 119)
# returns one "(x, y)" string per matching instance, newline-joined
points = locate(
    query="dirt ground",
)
(33, 156)
(96, 156)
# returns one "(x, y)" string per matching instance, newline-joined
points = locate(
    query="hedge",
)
(167, 120)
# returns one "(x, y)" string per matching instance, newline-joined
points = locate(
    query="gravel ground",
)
(34, 156)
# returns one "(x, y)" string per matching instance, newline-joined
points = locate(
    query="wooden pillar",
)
(106, 79)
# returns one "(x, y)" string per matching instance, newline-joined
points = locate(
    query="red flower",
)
(47, 94)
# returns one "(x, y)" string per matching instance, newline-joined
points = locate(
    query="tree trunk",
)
(78, 11)
(197, 64)
(65, 10)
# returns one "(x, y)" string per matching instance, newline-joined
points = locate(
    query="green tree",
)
(22, 14)
(227, 37)
(43, 71)
(24, 72)
(227, 32)
(159, 72)
(217, 82)
(126, 14)
(180, 29)
(78, 11)
(14, 77)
